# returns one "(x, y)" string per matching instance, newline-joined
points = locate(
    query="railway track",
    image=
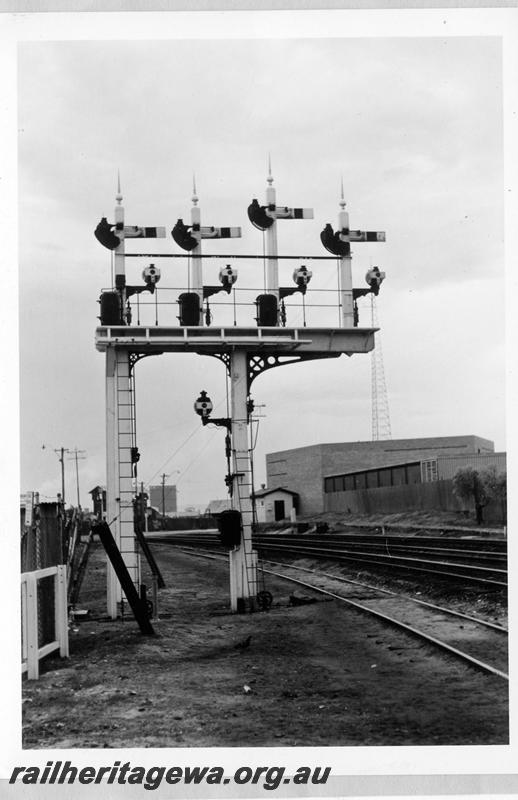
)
(482, 644)
(478, 643)
(476, 560)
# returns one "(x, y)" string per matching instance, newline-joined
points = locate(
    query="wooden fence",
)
(43, 632)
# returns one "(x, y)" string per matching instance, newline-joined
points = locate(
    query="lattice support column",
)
(119, 470)
(243, 560)
(381, 428)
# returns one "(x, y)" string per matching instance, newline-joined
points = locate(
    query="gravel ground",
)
(312, 675)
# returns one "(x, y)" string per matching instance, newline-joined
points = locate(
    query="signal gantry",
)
(245, 351)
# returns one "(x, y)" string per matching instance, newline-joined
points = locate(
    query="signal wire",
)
(195, 430)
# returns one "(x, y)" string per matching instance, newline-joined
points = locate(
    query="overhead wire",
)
(198, 454)
(169, 458)
(195, 430)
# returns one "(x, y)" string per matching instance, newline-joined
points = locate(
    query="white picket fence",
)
(31, 651)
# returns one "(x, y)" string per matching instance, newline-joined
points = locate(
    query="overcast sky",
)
(414, 126)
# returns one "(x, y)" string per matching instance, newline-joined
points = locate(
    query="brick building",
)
(303, 469)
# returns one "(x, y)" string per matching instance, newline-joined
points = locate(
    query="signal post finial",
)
(342, 198)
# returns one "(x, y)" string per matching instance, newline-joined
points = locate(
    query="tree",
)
(481, 487)
(496, 486)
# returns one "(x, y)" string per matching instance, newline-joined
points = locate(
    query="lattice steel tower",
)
(380, 406)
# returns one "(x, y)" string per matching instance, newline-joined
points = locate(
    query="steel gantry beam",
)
(247, 353)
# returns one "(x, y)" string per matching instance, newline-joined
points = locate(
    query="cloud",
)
(414, 126)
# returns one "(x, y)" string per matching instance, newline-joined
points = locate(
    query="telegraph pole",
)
(163, 476)
(78, 454)
(62, 451)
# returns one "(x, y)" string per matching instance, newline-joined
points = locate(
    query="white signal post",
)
(198, 233)
(243, 559)
(272, 266)
(119, 472)
(346, 272)
(340, 245)
(119, 260)
(277, 212)
(196, 260)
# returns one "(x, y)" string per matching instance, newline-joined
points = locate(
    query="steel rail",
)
(391, 548)
(464, 541)
(475, 662)
(425, 603)
(302, 547)
(341, 579)
(464, 547)
(414, 631)
(399, 562)
(465, 571)
(426, 541)
(432, 544)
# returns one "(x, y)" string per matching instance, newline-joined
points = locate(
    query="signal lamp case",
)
(189, 308)
(267, 311)
(111, 308)
(230, 528)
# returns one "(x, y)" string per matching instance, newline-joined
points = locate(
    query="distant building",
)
(98, 494)
(302, 470)
(215, 507)
(443, 468)
(163, 498)
(27, 502)
(189, 511)
(433, 469)
(274, 505)
(413, 486)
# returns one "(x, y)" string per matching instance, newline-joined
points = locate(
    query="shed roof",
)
(264, 492)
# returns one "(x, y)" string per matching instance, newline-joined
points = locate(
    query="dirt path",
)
(312, 675)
